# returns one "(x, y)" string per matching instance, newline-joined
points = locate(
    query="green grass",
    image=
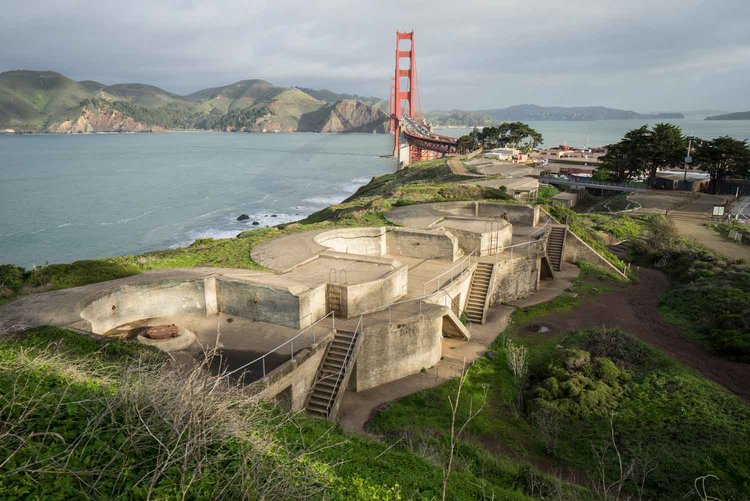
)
(689, 426)
(69, 430)
(723, 229)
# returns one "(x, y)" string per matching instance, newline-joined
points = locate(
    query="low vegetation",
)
(710, 297)
(94, 419)
(589, 397)
(724, 229)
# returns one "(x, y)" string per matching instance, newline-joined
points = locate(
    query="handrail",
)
(356, 335)
(544, 226)
(288, 341)
(450, 270)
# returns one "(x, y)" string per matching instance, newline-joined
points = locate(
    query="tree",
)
(508, 134)
(643, 152)
(723, 157)
(667, 147)
(466, 144)
(629, 157)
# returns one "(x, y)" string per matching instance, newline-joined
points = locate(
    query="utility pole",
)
(688, 160)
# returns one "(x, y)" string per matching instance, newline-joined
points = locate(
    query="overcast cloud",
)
(646, 55)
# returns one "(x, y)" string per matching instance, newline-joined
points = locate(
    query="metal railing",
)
(289, 342)
(451, 271)
(588, 182)
(355, 336)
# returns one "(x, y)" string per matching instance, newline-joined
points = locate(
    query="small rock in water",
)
(243, 217)
(255, 223)
(274, 215)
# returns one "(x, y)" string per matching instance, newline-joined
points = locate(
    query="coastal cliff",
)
(347, 115)
(101, 120)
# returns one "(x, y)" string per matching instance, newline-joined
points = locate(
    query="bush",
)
(11, 280)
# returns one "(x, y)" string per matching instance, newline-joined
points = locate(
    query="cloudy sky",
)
(646, 55)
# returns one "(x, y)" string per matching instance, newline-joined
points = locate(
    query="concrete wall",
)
(134, 302)
(484, 243)
(524, 215)
(260, 303)
(390, 352)
(364, 241)
(367, 296)
(459, 287)
(292, 381)
(577, 250)
(516, 278)
(422, 243)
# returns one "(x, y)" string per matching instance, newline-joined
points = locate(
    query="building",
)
(679, 182)
(565, 199)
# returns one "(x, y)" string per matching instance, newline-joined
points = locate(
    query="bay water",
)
(70, 197)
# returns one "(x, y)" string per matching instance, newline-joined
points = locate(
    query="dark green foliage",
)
(722, 157)
(641, 152)
(511, 134)
(577, 385)
(11, 280)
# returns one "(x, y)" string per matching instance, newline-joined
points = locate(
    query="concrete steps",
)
(331, 375)
(556, 246)
(480, 284)
(677, 214)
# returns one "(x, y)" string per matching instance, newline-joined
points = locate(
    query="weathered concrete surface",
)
(516, 277)
(427, 243)
(393, 350)
(426, 215)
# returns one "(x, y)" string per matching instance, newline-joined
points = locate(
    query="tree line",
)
(642, 152)
(508, 134)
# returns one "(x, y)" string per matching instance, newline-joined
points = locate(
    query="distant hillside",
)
(530, 112)
(44, 101)
(740, 115)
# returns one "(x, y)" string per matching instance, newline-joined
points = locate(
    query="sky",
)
(643, 55)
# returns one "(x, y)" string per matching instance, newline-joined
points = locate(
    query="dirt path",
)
(634, 310)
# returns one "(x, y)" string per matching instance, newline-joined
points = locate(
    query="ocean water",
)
(604, 132)
(64, 198)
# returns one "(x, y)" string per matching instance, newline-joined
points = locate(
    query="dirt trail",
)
(634, 310)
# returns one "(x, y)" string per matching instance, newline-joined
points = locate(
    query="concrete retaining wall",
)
(516, 278)
(391, 352)
(364, 241)
(258, 302)
(135, 302)
(290, 382)
(578, 250)
(422, 243)
(376, 294)
(524, 215)
(459, 287)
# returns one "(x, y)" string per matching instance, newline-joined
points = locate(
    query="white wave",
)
(64, 225)
(325, 201)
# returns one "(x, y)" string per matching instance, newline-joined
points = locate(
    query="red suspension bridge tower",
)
(413, 139)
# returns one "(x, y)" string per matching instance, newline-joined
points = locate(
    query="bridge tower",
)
(404, 83)
(413, 141)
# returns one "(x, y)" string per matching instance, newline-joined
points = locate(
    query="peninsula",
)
(46, 101)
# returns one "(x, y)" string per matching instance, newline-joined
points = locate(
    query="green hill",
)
(44, 101)
(740, 115)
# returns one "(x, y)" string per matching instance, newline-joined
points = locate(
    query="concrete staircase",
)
(556, 245)
(333, 375)
(480, 285)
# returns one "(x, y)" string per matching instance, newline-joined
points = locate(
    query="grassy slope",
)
(65, 381)
(689, 425)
